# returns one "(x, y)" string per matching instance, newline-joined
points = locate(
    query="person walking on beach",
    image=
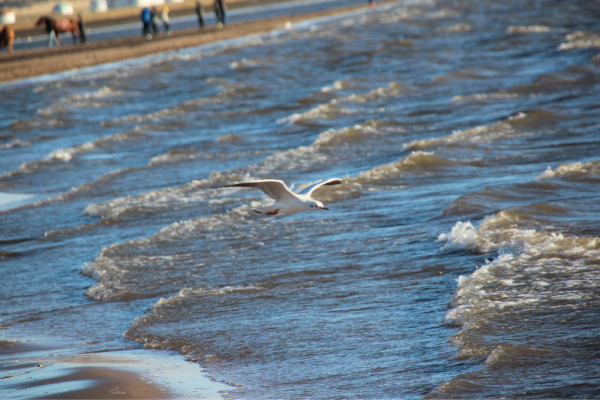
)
(165, 19)
(154, 21)
(146, 18)
(81, 25)
(223, 7)
(217, 9)
(220, 8)
(200, 13)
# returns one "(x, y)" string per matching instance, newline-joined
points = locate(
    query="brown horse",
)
(7, 38)
(59, 26)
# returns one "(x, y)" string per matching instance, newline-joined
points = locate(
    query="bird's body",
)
(286, 201)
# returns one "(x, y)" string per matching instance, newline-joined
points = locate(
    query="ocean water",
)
(460, 258)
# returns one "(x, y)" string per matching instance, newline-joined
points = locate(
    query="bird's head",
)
(316, 205)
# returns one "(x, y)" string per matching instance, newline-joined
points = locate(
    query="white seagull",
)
(286, 201)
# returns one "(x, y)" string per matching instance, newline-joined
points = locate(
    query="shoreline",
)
(31, 371)
(24, 27)
(27, 64)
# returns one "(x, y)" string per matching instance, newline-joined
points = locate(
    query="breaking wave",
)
(480, 134)
(582, 170)
(535, 271)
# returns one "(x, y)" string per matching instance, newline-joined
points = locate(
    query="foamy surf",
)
(534, 272)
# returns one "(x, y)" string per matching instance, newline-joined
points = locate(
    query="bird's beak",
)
(324, 208)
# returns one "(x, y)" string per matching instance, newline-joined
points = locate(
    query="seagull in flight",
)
(286, 201)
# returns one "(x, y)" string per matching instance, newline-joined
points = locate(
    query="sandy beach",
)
(30, 370)
(31, 63)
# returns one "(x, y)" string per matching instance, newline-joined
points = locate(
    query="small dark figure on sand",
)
(154, 21)
(146, 20)
(200, 14)
(166, 20)
(81, 25)
(220, 8)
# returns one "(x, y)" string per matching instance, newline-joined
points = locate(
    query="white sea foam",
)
(105, 92)
(479, 97)
(148, 202)
(323, 111)
(479, 134)
(337, 85)
(462, 235)
(15, 143)
(533, 268)
(113, 267)
(580, 40)
(462, 27)
(335, 107)
(339, 137)
(528, 29)
(245, 63)
(576, 169)
(187, 292)
(415, 162)
(66, 155)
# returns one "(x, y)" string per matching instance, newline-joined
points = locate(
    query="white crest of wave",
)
(339, 137)
(67, 154)
(417, 161)
(479, 134)
(322, 111)
(480, 97)
(532, 269)
(463, 235)
(245, 63)
(391, 90)
(334, 107)
(522, 29)
(186, 293)
(15, 143)
(460, 27)
(584, 169)
(580, 40)
(113, 267)
(102, 93)
(337, 85)
(149, 202)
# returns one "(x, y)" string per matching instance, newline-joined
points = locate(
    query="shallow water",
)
(459, 259)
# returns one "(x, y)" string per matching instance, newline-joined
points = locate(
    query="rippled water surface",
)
(460, 258)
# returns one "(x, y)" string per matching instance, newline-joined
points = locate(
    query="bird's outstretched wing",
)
(310, 189)
(274, 188)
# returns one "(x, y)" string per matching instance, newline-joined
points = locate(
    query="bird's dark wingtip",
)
(335, 181)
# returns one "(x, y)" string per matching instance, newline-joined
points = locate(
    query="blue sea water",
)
(459, 258)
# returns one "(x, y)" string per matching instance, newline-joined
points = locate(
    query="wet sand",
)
(32, 371)
(32, 63)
